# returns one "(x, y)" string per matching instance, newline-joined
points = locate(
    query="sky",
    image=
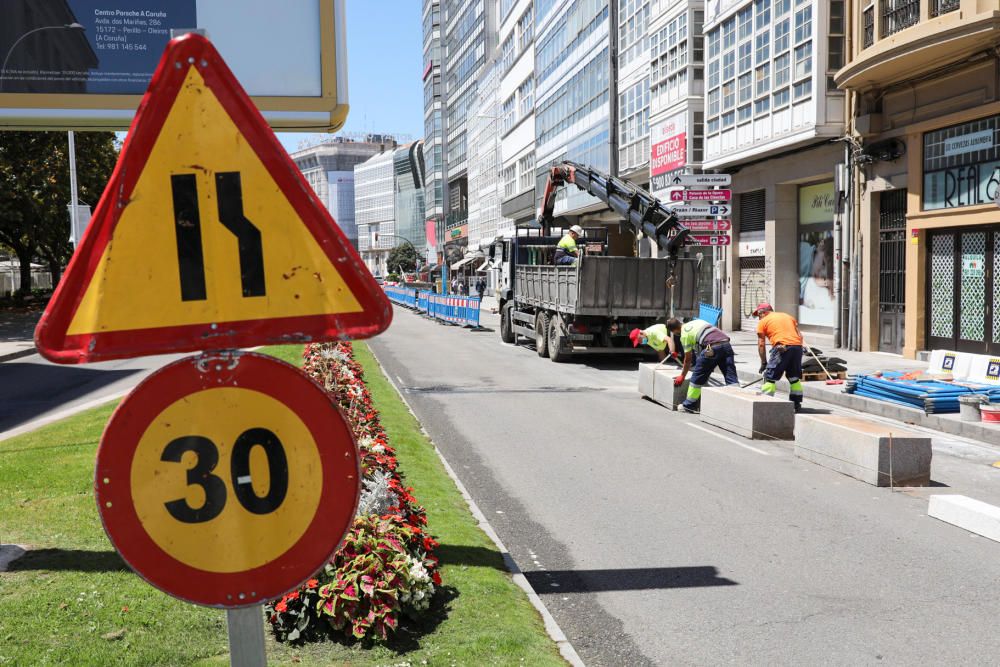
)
(384, 63)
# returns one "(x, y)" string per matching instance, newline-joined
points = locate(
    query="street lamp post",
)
(3, 68)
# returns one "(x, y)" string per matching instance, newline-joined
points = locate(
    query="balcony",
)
(901, 39)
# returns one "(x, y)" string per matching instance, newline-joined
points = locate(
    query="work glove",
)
(678, 380)
(763, 367)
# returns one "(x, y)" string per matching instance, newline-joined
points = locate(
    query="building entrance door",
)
(964, 290)
(892, 270)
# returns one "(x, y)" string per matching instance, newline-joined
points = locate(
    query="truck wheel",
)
(542, 333)
(507, 323)
(557, 341)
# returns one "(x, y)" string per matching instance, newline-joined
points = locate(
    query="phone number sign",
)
(227, 479)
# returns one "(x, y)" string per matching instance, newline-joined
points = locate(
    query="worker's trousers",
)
(784, 360)
(722, 355)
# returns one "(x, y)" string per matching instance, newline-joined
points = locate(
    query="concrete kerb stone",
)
(748, 413)
(876, 453)
(970, 514)
(901, 413)
(656, 382)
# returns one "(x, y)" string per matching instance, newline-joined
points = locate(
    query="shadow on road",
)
(633, 579)
(28, 390)
(466, 556)
(72, 560)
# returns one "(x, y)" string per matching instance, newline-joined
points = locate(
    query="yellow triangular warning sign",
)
(207, 235)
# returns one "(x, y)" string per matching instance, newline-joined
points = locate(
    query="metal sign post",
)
(246, 637)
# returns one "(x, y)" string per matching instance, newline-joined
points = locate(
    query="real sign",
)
(668, 155)
(701, 210)
(227, 479)
(687, 180)
(207, 235)
(708, 225)
(701, 195)
(710, 240)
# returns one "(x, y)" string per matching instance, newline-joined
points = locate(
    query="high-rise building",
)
(375, 209)
(329, 168)
(410, 210)
(484, 163)
(924, 169)
(516, 113)
(434, 137)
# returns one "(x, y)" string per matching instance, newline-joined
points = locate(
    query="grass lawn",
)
(71, 600)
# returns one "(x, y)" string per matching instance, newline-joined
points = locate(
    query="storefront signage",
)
(816, 210)
(973, 265)
(962, 165)
(752, 248)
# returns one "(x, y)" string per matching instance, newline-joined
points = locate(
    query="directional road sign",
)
(704, 180)
(719, 239)
(702, 210)
(227, 479)
(207, 236)
(708, 225)
(701, 195)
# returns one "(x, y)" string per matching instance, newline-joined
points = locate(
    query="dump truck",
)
(591, 307)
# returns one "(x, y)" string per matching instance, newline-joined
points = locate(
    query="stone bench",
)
(656, 382)
(973, 515)
(748, 413)
(861, 449)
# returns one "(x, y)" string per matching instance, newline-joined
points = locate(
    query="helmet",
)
(577, 229)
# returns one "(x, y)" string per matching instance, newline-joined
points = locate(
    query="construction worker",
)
(657, 337)
(566, 250)
(782, 332)
(709, 347)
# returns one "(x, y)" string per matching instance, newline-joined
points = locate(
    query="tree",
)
(402, 258)
(34, 192)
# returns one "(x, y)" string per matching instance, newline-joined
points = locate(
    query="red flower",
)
(294, 595)
(436, 578)
(281, 607)
(312, 583)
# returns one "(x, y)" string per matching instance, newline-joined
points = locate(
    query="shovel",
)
(832, 379)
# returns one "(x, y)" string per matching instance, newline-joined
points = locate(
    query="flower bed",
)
(385, 568)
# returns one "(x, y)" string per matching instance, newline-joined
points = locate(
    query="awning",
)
(482, 267)
(459, 264)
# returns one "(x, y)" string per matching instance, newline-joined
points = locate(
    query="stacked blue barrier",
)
(462, 310)
(931, 396)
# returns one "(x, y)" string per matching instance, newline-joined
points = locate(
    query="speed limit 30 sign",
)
(227, 479)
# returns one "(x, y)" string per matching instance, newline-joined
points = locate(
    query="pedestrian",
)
(566, 250)
(657, 337)
(707, 346)
(454, 285)
(781, 330)
(480, 288)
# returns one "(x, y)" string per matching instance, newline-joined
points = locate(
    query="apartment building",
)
(375, 209)
(516, 65)
(434, 138)
(926, 165)
(484, 164)
(329, 168)
(774, 118)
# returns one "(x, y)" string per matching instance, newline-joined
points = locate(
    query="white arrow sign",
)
(702, 210)
(701, 195)
(702, 179)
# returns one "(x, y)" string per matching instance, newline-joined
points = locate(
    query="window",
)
(507, 53)
(509, 178)
(781, 70)
(526, 172)
(746, 87)
(763, 47)
(507, 115)
(729, 65)
(781, 36)
(743, 113)
(803, 23)
(746, 53)
(729, 34)
(525, 29)
(713, 73)
(713, 44)
(762, 106)
(728, 119)
(713, 102)
(782, 7)
(728, 94)
(712, 125)
(745, 20)
(802, 89)
(526, 98)
(633, 125)
(803, 60)
(780, 98)
(763, 79)
(762, 10)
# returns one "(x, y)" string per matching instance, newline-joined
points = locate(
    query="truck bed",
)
(609, 286)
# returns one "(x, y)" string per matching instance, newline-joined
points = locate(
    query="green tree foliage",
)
(404, 255)
(34, 192)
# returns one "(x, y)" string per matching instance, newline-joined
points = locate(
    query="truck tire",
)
(542, 333)
(507, 334)
(557, 341)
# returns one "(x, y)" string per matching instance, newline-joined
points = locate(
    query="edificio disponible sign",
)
(962, 164)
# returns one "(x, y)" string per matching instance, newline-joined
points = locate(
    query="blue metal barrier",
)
(462, 310)
(405, 296)
(422, 301)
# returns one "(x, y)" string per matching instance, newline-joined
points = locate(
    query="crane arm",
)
(646, 214)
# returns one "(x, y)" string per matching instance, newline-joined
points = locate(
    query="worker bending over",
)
(782, 332)
(709, 347)
(657, 337)
(566, 250)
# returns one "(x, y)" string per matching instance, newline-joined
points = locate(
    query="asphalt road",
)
(655, 540)
(33, 389)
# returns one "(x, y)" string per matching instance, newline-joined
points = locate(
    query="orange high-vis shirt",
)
(780, 329)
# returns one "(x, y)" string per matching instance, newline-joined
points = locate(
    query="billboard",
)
(668, 150)
(84, 64)
(816, 211)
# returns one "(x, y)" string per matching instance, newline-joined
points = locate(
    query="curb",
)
(552, 628)
(10, 356)
(967, 513)
(913, 416)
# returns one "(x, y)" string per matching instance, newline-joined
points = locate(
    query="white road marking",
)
(722, 437)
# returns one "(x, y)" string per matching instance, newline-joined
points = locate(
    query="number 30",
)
(215, 489)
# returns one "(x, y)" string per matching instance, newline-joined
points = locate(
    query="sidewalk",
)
(17, 331)
(748, 363)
